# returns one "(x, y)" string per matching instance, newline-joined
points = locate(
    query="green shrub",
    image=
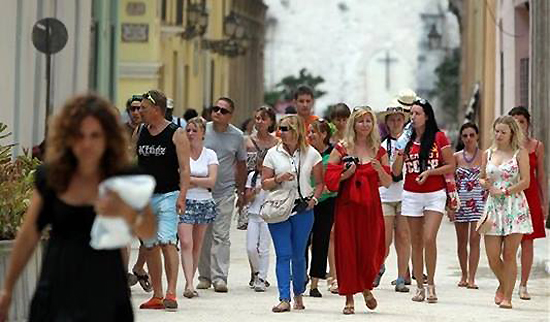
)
(16, 185)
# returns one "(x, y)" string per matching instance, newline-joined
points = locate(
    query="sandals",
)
(472, 286)
(378, 277)
(370, 301)
(144, 281)
(498, 297)
(432, 297)
(298, 303)
(523, 294)
(420, 295)
(348, 309)
(462, 284)
(188, 293)
(283, 306)
(333, 288)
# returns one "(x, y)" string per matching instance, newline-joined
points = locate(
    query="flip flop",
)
(348, 309)
(472, 286)
(144, 281)
(462, 284)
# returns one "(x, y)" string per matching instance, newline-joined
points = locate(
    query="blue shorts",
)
(164, 208)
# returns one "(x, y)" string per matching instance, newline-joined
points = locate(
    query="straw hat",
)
(406, 97)
(393, 107)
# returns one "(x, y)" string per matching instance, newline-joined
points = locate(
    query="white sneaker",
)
(259, 285)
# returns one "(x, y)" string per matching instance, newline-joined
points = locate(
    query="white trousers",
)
(257, 245)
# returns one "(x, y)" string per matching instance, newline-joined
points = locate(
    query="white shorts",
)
(415, 203)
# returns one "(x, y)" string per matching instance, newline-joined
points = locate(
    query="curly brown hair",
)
(65, 127)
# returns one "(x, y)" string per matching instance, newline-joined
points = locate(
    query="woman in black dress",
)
(86, 144)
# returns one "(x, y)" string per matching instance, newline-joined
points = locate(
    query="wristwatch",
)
(315, 200)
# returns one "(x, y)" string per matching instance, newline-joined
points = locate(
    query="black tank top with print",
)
(157, 156)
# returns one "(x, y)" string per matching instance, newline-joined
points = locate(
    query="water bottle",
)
(405, 137)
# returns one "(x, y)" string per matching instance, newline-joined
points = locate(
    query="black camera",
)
(300, 205)
(349, 160)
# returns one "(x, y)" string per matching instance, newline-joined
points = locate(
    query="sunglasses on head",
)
(420, 102)
(149, 97)
(221, 110)
(396, 109)
(364, 108)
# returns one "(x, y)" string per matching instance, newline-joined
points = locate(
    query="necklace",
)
(473, 157)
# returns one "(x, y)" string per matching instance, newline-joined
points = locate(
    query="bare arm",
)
(317, 172)
(385, 178)
(541, 178)
(206, 182)
(397, 166)
(182, 150)
(449, 162)
(240, 179)
(25, 243)
(483, 181)
(523, 160)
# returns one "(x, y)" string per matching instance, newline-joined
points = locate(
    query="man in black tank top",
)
(163, 152)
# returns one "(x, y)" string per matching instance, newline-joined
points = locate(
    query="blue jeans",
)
(290, 240)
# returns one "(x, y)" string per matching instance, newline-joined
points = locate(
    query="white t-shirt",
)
(278, 159)
(199, 168)
(394, 192)
(256, 204)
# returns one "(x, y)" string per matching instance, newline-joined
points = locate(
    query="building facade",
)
(90, 47)
(186, 62)
(506, 50)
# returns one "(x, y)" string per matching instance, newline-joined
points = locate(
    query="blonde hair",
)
(298, 127)
(516, 140)
(199, 122)
(373, 139)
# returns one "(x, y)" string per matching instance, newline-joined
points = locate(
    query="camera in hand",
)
(300, 205)
(349, 160)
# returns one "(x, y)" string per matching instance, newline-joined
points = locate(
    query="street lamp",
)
(434, 38)
(237, 41)
(197, 20)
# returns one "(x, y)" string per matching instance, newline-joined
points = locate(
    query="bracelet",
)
(315, 200)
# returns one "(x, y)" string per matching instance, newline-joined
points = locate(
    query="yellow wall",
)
(137, 73)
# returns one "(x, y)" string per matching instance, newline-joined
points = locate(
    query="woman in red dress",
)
(356, 168)
(536, 193)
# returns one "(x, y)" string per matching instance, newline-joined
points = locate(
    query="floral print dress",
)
(510, 214)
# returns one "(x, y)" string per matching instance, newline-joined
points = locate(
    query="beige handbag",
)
(484, 224)
(278, 205)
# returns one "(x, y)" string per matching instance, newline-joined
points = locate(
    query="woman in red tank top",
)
(536, 193)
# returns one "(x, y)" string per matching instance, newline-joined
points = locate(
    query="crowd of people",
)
(356, 190)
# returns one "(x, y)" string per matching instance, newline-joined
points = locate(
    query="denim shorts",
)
(164, 208)
(198, 212)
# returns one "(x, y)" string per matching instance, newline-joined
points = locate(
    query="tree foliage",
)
(447, 88)
(285, 88)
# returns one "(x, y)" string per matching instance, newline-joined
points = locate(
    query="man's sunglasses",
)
(221, 110)
(133, 108)
(149, 97)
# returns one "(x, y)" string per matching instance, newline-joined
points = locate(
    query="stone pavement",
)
(455, 304)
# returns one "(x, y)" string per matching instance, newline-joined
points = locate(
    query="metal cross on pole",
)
(387, 61)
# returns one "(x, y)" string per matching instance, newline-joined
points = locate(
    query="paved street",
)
(455, 304)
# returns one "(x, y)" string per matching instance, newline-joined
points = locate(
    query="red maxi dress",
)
(533, 199)
(359, 239)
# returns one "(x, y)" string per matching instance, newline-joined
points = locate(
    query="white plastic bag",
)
(114, 232)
